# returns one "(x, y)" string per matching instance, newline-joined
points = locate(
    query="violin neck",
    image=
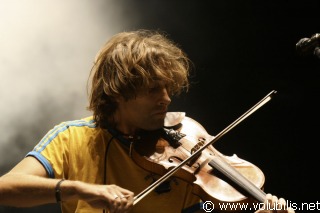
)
(237, 178)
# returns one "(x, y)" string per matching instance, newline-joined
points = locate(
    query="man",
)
(86, 164)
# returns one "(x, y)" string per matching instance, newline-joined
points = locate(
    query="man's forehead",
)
(157, 81)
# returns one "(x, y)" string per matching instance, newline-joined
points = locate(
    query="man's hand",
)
(274, 205)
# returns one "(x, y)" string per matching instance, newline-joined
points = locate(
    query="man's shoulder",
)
(88, 119)
(83, 123)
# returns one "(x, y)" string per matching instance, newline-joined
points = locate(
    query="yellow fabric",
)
(76, 151)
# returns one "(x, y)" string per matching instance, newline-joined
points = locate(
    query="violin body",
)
(159, 153)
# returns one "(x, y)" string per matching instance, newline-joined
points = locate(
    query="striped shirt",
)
(78, 150)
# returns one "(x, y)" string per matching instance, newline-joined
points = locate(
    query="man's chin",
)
(156, 124)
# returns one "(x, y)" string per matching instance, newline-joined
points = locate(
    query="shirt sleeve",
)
(52, 151)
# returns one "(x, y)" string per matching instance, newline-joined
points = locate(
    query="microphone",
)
(308, 46)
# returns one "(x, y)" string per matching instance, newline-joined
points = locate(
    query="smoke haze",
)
(47, 50)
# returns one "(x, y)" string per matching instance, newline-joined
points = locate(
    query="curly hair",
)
(131, 60)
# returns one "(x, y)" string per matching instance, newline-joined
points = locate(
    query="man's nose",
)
(165, 99)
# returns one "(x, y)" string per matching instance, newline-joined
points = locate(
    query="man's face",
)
(146, 111)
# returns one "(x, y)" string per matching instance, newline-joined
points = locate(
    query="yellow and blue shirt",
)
(78, 150)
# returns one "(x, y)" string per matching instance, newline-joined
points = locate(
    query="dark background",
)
(242, 50)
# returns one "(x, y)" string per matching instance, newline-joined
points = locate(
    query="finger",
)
(285, 208)
(274, 206)
(125, 192)
(124, 203)
(120, 199)
(124, 196)
(128, 202)
(268, 202)
(128, 196)
(116, 204)
(282, 205)
(290, 210)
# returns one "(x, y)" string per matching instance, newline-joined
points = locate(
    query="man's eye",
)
(153, 89)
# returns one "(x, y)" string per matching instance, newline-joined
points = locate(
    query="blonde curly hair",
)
(131, 60)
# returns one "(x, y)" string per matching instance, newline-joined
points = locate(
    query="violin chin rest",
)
(173, 119)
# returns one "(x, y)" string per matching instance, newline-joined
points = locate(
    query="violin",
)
(183, 149)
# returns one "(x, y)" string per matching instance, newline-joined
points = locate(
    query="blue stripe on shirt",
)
(50, 136)
(57, 129)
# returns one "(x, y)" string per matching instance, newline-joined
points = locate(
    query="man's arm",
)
(27, 184)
